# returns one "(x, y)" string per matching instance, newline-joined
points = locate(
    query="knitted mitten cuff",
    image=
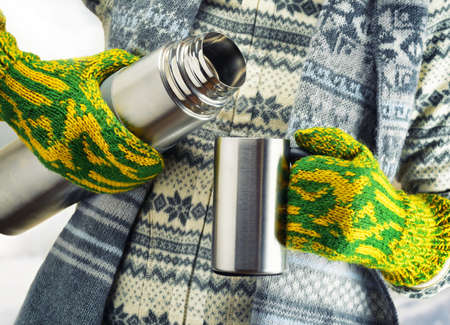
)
(425, 245)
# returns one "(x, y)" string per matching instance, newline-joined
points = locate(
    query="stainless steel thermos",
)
(160, 98)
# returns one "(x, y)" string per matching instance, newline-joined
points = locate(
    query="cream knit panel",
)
(165, 276)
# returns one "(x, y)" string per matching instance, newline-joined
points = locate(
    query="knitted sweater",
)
(172, 265)
(165, 275)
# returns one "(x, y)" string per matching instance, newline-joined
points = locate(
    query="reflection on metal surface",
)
(29, 192)
(251, 178)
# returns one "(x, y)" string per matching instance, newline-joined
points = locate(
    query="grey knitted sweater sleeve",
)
(153, 22)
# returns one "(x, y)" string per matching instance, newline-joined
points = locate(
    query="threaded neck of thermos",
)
(202, 72)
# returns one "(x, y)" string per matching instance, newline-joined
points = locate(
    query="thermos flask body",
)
(250, 182)
(160, 98)
(29, 192)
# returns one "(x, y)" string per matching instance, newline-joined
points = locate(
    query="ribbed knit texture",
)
(73, 283)
(341, 206)
(57, 110)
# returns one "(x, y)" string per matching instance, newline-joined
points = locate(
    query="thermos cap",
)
(251, 177)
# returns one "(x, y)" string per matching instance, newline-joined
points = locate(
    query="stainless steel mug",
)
(250, 188)
(160, 98)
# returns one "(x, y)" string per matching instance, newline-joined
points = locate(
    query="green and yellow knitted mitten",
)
(342, 206)
(57, 110)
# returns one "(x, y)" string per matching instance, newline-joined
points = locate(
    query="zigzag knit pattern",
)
(426, 154)
(342, 206)
(57, 110)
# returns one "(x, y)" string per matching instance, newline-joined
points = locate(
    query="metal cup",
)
(250, 190)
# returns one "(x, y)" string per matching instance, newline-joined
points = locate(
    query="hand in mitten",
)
(57, 110)
(342, 206)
